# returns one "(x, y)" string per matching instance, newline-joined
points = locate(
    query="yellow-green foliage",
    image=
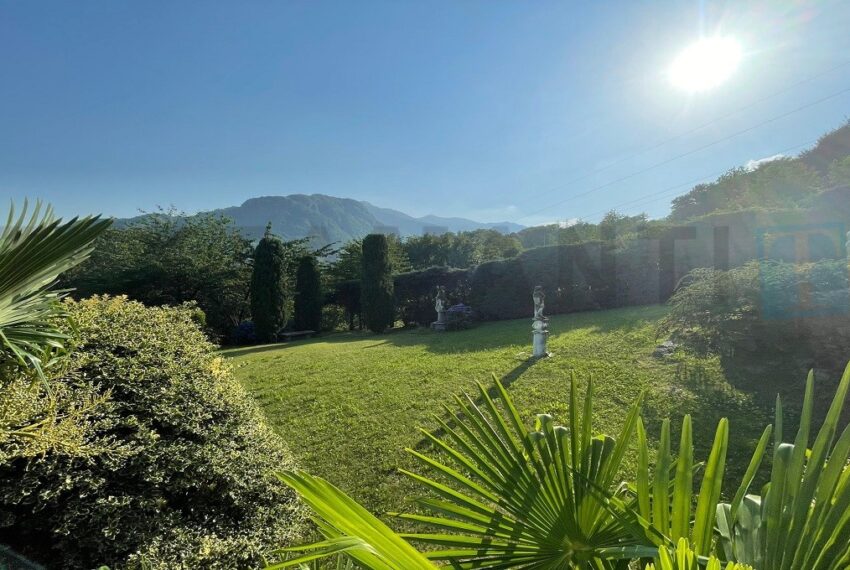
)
(186, 478)
(683, 558)
(39, 416)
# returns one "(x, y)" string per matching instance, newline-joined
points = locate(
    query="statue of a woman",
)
(539, 298)
(441, 301)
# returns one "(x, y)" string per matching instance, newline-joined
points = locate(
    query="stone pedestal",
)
(440, 323)
(539, 331)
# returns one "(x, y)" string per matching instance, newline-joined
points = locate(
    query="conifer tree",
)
(268, 287)
(308, 295)
(377, 284)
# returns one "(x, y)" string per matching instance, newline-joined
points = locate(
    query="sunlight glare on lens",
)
(705, 64)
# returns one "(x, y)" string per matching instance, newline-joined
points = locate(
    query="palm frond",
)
(505, 496)
(683, 558)
(803, 520)
(34, 251)
(348, 529)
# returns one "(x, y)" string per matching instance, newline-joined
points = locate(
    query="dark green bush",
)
(334, 318)
(377, 284)
(765, 306)
(459, 317)
(347, 295)
(308, 295)
(185, 480)
(576, 277)
(415, 292)
(501, 290)
(269, 288)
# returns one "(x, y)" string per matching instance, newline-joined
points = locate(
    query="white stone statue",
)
(441, 301)
(441, 304)
(540, 324)
(539, 303)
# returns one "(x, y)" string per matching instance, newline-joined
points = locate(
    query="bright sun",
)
(705, 64)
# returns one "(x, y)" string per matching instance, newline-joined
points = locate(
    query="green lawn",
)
(348, 404)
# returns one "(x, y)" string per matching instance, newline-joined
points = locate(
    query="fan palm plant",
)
(802, 519)
(683, 558)
(507, 496)
(348, 529)
(34, 251)
(666, 507)
(518, 497)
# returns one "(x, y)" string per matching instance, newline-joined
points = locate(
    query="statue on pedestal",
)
(441, 303)
(539, 324)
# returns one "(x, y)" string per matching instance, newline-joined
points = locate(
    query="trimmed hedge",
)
(766, 307)
(185, 479)
(415, 292)
(635, 269)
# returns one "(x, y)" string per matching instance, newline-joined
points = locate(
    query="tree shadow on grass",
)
(517, 332)
(482, 337)
(492, 392)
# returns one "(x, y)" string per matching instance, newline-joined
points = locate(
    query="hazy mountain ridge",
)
(331, 219)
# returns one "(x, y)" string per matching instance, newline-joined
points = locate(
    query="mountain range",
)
(330, 219)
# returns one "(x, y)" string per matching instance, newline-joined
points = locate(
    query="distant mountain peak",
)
(329, 219)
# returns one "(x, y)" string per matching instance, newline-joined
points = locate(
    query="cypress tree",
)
(268, 287)
(308, 295)
(377, 284)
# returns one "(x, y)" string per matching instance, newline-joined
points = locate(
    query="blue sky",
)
(494, 110)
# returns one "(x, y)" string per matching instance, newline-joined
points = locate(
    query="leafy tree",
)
(834, 145)
(377, 284)
(461, 250)
(269, 287)
(168, 259)
(781, 183)
(839, 172)
(308, 295)
(349, 260)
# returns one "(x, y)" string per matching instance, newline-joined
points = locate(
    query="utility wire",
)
(693, 130)
(661, 194)
(689, 153)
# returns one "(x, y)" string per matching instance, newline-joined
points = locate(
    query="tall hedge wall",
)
(634, 269)
(415, 291)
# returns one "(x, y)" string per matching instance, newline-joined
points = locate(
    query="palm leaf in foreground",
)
(348, 529)
(511, 497)
(683, 558)
(667, 505)
(803, 520)
(34, 251)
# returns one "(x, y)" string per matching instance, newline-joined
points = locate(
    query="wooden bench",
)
(287, 336)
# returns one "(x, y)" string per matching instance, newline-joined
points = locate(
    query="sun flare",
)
(705, 64)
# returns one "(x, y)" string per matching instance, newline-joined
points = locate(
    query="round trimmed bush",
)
(186, 478)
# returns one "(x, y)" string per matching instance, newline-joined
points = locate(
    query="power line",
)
(661, 194)
(689, 153)
(693, 130)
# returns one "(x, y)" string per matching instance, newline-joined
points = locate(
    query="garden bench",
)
(296, 334)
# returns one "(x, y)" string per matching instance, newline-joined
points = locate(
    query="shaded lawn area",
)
(348, 404)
